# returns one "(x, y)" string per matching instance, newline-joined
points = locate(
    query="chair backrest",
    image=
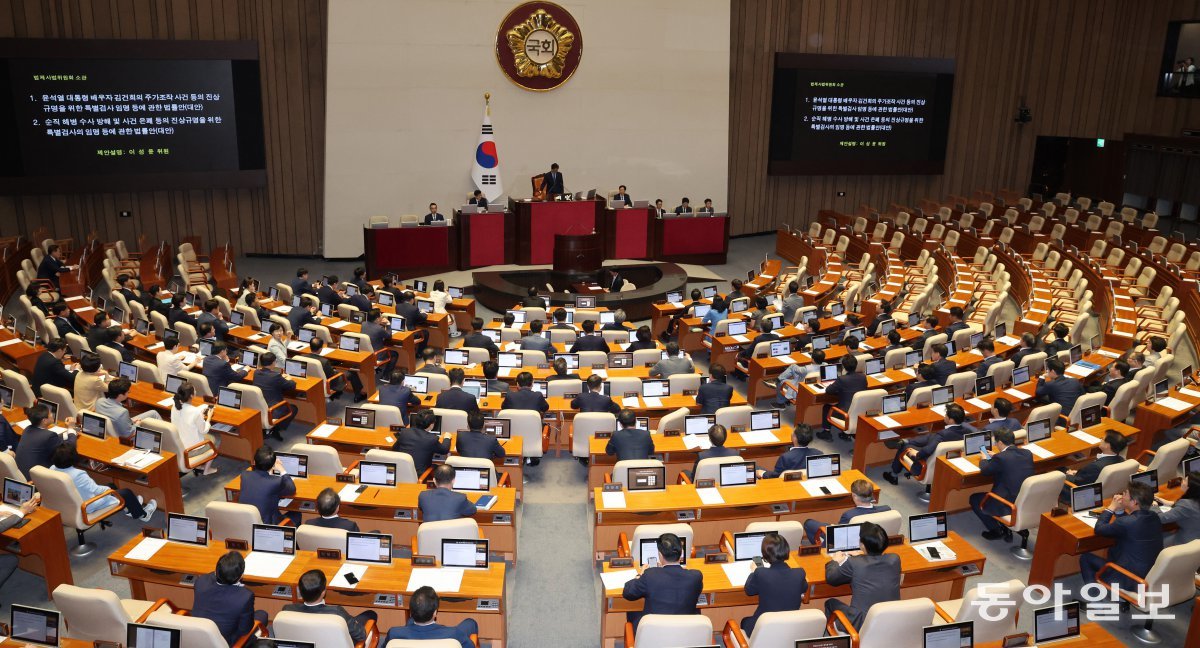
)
(1174, 572)
(59, 494)
(734, 415)
(325, 630)
(195, 632)
(889, 620)
(91, 614)
(681, 382)
(620, 470)
(561, 388)
(431, 534)
(1038, 494)
(406, 470)
(1084, 402)
(791, 530)
(889, 520)
(1123, 401)
(664, 630)
(672, 421)
(584, 427)
(1001, 372)
(1035, 361)
(385, 415)
(22, 393)
(643, 356)
(973, 604)
(866, 400)
(1115, 478)
(942, 449)
(921, 395)
(56, 394)
(528, 425)
(1166, 459)
(963, 383)
(322, 460)
(252, 398)
(452, 420)
(9, 468)
(783, 628)
(231, 520)
(710, 468)
(423, 643)
(653, 531)
(173, 443)
(927, 351)
(310, 537)
(474, 462)
(199, 382)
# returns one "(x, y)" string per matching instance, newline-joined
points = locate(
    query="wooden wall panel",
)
(285, 216)
(1086, 68)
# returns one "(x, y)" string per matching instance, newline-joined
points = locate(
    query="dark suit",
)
(328, 295)
(714, 452)
(624, 198)
(478, 445)
(744, 354)
(273, 384)
(353, 623)
(843, 389)
(982, 369)
(638, 345)
(50, 268)
(942, 369)
(176, 315)
(1110, 389)
(779, 588)
(955, 327)
(301, 286)
(813, 527)
(335, 522)
(64, 325)
(432, 218)
(796, 458)
(926, 444)
(872, 579)
(98, 337)
(532, 301)
(362, 303)
(398, 396)
(1063, 390)
(413, 317)
(594, 402)
(444, 504)
(219, 373)
(125, 352)
(1020, 355)
(1052, 348)
(299, 316)
(478, 340)
(713, 395)
(589, 343)
(480, 201)
(230, 607)
(1008, 471)
(552, 181)
(1089, 474)
(460, 633)
(1139, 540)
(377, 334)
(615, 281)
(50, 371)
(421, 446)
(682, 209)
(337, 384)
(36, 448)
(457, 399)
(525, 399)
(537, 343)
(262, 490)
(630, 443)
(908, 391)
(666, 590)
(220, 327)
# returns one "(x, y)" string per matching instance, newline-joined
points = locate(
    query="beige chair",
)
(791, 530)
(451, 420)
(1038, 494)
(585, 426)
(428, 540)
(325, 630)
(1035, 361)
(527, 425)
(886, 622)
(62, 398)
(22, 393)
(620, 470)
(60, 494)
(187, 458)
(710, 468)
(199, 383)
(231, 520)
(926, 477)
(1083, 402)
(1166, 459)
(673, 421)
(1007, 596)
(310, 537)
(734, 415)
(560, 388)
(385, 415)
(890, 521)
(633, 548)
(9, 469)
(776, 629)
(864, 401)
(406, 470)
(322, 460)
(494, 479)
(97, 614)
(1171, 581)
(423, 643)
(197, 632)
(668, 630)
(1115, 478)
(253, 399)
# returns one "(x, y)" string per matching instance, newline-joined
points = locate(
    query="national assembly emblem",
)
(539, 45)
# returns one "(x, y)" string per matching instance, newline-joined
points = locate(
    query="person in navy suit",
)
(52, 266)
(685, 206)
(455, 398)
(419, 443)
(49, 369)
(1108, 453)
(927, 374)
(302, 315)
(592, 400)
(266, 484)
(422, 622)
(1026, 346)
(1056, 387)
(778, 586)
(328, 505)
(667, 588)
(1118, 375)
(375, 330)
(362, 301)
(301, 285)
(919, 448)
(116, 341)
(476, 443)
(560, 371)
(273, 386)
(623, 196)
(863, 494)
(311, 588)
(873, 576)
(442, 503)
(843, 389)
(217, 370)
(397, 394)
(525, 398)
(37, 443)
(211, 314)
(1060, 342)
(1008, 469)
(988, 349)
(552, 182)
(477, 198)
(717, 434)
(1130, 519)
(1001, 417)
(478, 340)
(956, 321)
(535, 341)
(796, 458)
(62, 320)
(714, 394)
(589, 341)
(943, 367)
(434, 216)
(629, 442)
(220, 597)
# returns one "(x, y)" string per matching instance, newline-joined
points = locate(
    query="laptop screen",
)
(1086, 497)
(842, 537)
(737, 474)
(396, 323)
(50, 405)
(674, 296)
(1000, 331)
(296, 369)
(829, 372)
(34, 625)
(927, 526)
(374, 548)
(147, 439)
(1037, 430)
(498, 427)
(249, 358)
(348, 343)
(974, 442)
(1076, 353)
(820, 342)
(819, 642)
(1191, 465)
(912, 358)
(985, 385)
(700, 310)
(518, 316)
(141, 635)
(826, 465)
(358, 417)
(93, 425)
(457, 357)
(189, 529)
(17, 493)
(646, 479)
(296, 465)
(764, 420)
(893, 404)
(648, 555)
(656, 388)
(582, 301)
(509, 360)
(273, 539)
(698, 423)
(418, 384)
(1053, 623)
(1020, 375)
(1147, 477)
(708, 292)
(738, 328)
(376, 473)
(572, 359)
(6, 396)
(780, 348)
(464, 553)
(230, 398)
(943, 395)
(172, 383)
(748, 545)
(886, 326)
(951, 635)
(1090, 416)
(472, 479)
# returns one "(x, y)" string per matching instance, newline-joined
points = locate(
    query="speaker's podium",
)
(578, 254)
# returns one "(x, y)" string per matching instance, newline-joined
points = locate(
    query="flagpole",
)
(487, 103)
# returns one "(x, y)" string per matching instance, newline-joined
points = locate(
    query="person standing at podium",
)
(685, 206)
(659, 211)
(433, 216)
(623, 196)
(553, 182)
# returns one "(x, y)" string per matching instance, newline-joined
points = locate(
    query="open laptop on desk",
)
(128, 371)
(741, 473)
(188, 529)
(34, 625)
(231, 398)
(928, 527)
(1038, 430)
(842, 537)
(950, 635)
(1055, 623)
(466, 553)
(368, 548)
(295, 465)
(748, 545)
(1148, 477)
(359, 417)
(93, 425)
(764, 420)
(1087, 498)
(498, 427)
(476, 480)
(142, 635)
(820, 466)
(376, 473)
(16, 493)
(821, 642)
(652, 478)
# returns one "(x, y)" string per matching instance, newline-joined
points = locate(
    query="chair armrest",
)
(83, 507)
(372, 639)
(187, 453)
(629, 634)
(256, 630)
(942, 613)
(683, 479)
(271, 419)
(623, 545)
(726, 542)
(352, 467)
(1144, 454)
(845, 418)
(424, 477)
(733, 636)
(1120, 591)
(475, 640)
(840, 617)
(286, 521)
(502, 480)
(1011, 507)
(158, 604)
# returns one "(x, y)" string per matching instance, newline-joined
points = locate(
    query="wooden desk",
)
(724, 349)
(1092, 635)
(765, 500)
(245, 439)
(727, 602)
(1153, 418)
(41, 548)
(160, 577)
(394, 510)
(18, 355)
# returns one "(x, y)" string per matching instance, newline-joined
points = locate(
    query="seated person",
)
(988, 350)
(928, 378)
(766, 335)
(478, 340)
(1027, 345)
(618, 323)
(418, 443)
(1131, 520)
(778, 586)
(589, 341)
(1184, 512)
(592, 399)
(685, 206)
(531, 298)
(956, 322)
(1060, 342)
(863, 494)
(788, 382)
(442, 503)
(455, 397)
(629, 442)
(113, 405)
(525, 398)
(474, 442)
(65, 460)
(716, 436)
(491, 369)
(433, 216)
(708, 207)
(431, 361)
(10, 518)
(422, 622)
(395, 393)
(1056, 387)
(796, 458)
(674, 363)
(312, 593)
(644, 340)
(1008, 467)
(1119, 373)
(843, 389)
(943, 367)
(1107, 454)
(560, 371)
(329, 504)
(560, 321)
(667, 588)
(274, 385)
(36, 445)
(1001, 417)
(337, 384)
(220, 597)
(873, 576)
(265, 484)
(715, 393)
(536, 341)
(217, 370)
(918, 449)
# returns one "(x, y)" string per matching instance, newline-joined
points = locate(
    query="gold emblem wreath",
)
(517, 36)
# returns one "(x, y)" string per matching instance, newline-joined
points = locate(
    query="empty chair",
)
(971, 606)
(528, 425)
(59, 493)
(406, 470)
(231, 520)
(310, 537)
(620, 471)
(886, 623)
(584, 428)
(668, 630)
(777, 629)
(325, 630)
(322, 460)
(889, 521)
(734, 415)
(864, 401)
(1166, 460)
(93, 614)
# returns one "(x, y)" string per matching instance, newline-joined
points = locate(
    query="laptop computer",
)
(1148, 477)
(16, 492)
(842, 641)
(893, 404)
(295, 465)
(737, 474)
(950, 635)
(698, 423)
(357, 417)
(1020, 376)
(1087, 497)
(418, 384)
(1038, 430)
(764, 420)
(269, 538)
(975, 442)
(748, 544)
(498, 427)
(93, 425)
(295, 369)
(188, 529)
(147, 439)
(646, 479)
(656, 388)
(230, 398)
(825, 465)
(1056, 622)
(376, 473)
(466, 553)
(477, 480)
(33, 625)
(369, 548)
(927, 527)
(842, 537)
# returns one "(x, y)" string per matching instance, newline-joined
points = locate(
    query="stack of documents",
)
(944, 552)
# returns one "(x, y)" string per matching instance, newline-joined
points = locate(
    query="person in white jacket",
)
(194, 422)
(441, 299)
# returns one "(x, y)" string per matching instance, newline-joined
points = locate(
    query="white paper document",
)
(1108, 354)
(1009, 340)
(887, 421)
(652, 401)
(614, 500)
(981, 404)
(324, 430)
(786, 359)
(710, 496)
(940, 410)
(1087, 519)
(909, 371)
(1016, 393)
(964, 464)
(340, 324)
(630, 401)
(340, 579)
(1078, 372)
(737, 572)
(349, 492)
(615, 580)
(603, 373)
(1038, 451)
(1085, 437)
(8, 342)
(814, 486)
(696, 442)
(742, 339)
(145, 549)
(759, 437)
(883, 378)
(1173, 403)
(441, 579)
(282, 309)
(167, 402)
(267, 565)
(155, 347)
(1190, 392)
(944, 552)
